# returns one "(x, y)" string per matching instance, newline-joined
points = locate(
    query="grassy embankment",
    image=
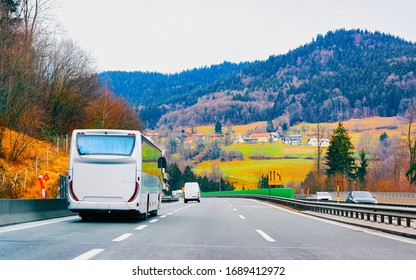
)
(20, 176)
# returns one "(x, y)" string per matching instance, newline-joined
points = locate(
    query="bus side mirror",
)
(161, 163)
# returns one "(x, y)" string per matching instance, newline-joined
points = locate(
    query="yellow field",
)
(206, 129)
(246, 173)
(374, 126)
(242, 129)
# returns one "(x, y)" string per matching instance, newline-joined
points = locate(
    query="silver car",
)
(361, 197)
(323, 196)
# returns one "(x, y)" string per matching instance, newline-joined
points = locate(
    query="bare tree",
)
(410, 141)
(319, 133)
(109, 111)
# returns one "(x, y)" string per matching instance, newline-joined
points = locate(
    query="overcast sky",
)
(173, 35)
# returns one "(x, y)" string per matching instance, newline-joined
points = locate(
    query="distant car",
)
(323, 196)
(361, 197)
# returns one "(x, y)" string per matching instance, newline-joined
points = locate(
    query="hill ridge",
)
(337, 76)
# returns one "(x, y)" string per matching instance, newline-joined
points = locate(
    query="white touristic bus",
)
(114, 172)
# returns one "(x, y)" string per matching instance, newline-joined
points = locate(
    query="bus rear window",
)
(121, 145)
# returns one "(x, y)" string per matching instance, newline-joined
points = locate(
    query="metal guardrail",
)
(375, 213)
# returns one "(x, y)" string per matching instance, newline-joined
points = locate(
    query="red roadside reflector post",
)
(42, 187)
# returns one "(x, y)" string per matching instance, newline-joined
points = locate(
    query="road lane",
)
(216, 228)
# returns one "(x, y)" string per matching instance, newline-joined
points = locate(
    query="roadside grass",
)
(37, 158)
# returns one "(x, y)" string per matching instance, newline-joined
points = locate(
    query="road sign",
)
(275, 177)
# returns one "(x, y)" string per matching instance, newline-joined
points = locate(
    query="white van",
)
(191, 192)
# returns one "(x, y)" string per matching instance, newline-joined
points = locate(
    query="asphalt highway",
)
(215, 229)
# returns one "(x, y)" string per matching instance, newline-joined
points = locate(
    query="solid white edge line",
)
(88, 255)
(36, 224)
(122, 237)
(265, 236)
(340, 224)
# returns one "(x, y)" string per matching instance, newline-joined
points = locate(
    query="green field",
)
(273, 150)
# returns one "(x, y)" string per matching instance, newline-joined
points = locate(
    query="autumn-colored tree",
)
(109, 111)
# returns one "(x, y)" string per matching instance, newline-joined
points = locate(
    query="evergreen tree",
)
(362, 170)
(263, 183)
(270, 127)
(218, 128)
(339, 156)
(383, 136)
(204, 183)
(188, 175)
(175, 177)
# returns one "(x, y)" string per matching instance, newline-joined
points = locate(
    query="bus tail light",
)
(136, 192)
(71, 191)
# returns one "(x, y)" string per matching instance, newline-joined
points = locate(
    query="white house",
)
(314, 142)
(238, 139)
(293, 139)
(261, 137)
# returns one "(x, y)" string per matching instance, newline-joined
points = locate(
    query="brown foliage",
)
(110, 111)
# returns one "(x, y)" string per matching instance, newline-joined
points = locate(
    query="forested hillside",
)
(158, 93)
(339, 75)
(48, 87)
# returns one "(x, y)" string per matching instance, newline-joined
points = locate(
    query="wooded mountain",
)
(337, 76)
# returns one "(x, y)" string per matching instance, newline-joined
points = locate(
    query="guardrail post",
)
(408, 222)
(382, 219)
(399, 221)
(390, 220)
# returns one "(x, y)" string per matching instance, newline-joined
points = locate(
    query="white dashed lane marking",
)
(88, 255)
(141, 227)
(265, 236)
(122, 237)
